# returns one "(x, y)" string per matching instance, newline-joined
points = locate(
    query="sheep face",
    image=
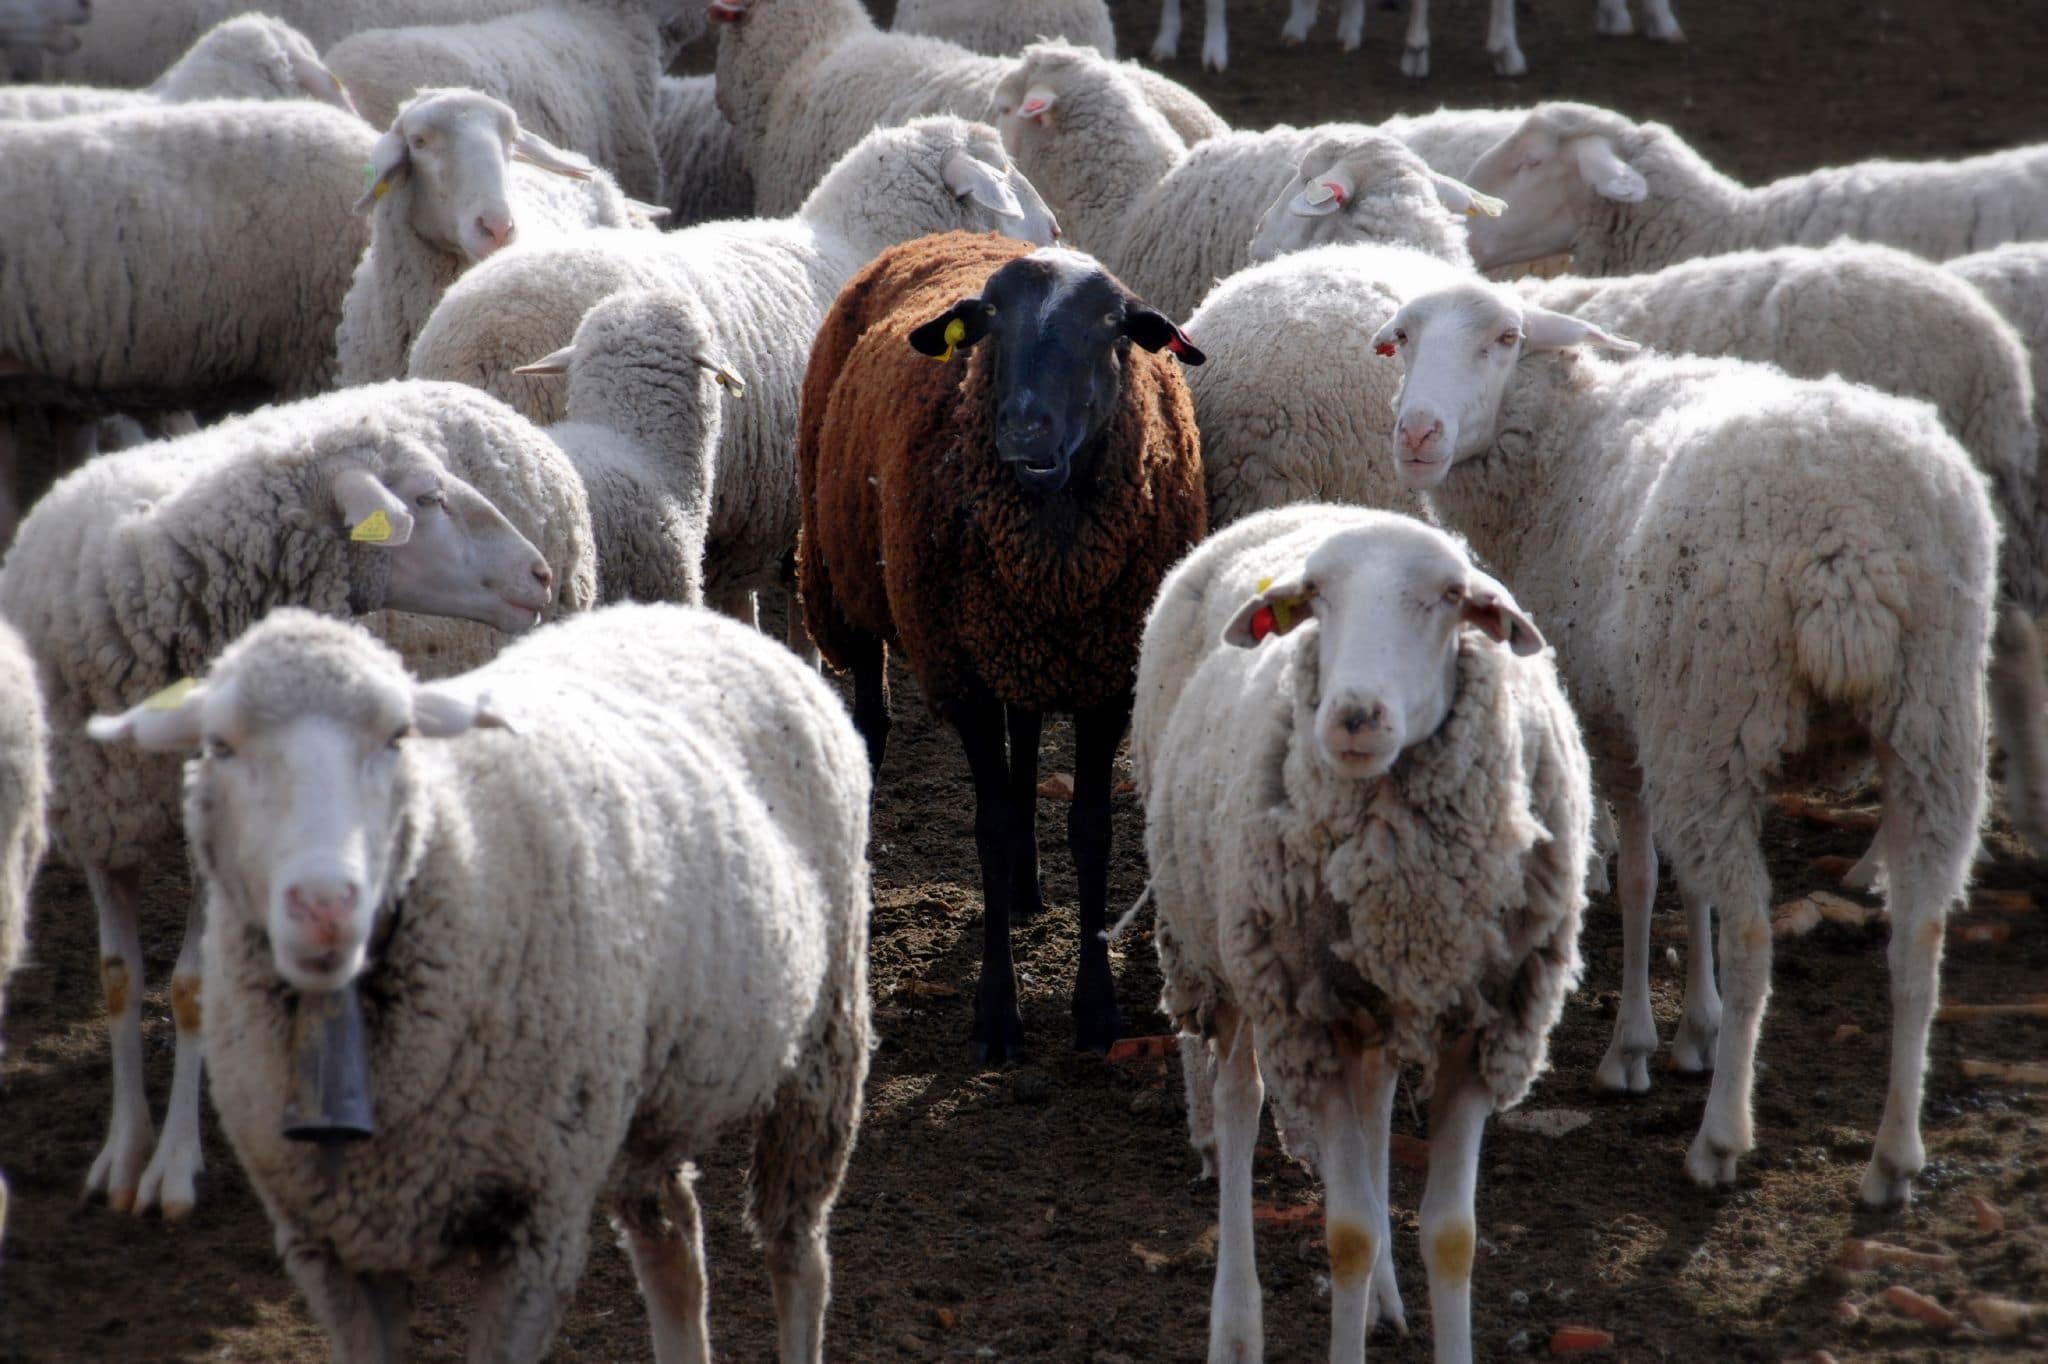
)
(50, 24)
(295, 805)
(457, 145)
(1460, 346)
(1389, 601)
(451, 552)
(1550, 183)
(1061, 325)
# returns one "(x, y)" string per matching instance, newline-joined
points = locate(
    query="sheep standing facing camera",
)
(1367, 823)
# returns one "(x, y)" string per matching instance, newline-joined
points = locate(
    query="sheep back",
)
(1039, 602)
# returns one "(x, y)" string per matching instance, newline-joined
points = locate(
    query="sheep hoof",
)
(1624, 1070)
(1415, 62)
(1673, 34)
(1885, 1185)
(1510, 63)
(998, 1031)
(1096, 1026)
(1614, 24)
(1692, 1050)
(1163, 51)
(1710, 1163)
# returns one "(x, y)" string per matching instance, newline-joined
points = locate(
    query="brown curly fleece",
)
(915, 534)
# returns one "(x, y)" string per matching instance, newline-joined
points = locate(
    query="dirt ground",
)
(1051, 1210)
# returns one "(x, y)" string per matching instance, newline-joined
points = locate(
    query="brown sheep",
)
(1022, 502)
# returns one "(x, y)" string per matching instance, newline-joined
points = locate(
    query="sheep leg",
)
(1168, 42)
(1500, 41)
(1027, 892)
(1198, 1075)
(168, 1181)
(1721, 861)
(1610, 17)
(1929, 857)
(665, 1236)
(1692, 1049)
(117, 1170)
(794, 632)
(1415, 47)
(1301, 17)
(998, 1027)
(1236, 1326)
(1097, 733)
(869, 659)
(519, 1305)
(1351, 25)
(363, 1315)
(1376, 1107)
(1626, 1066)
(1355, 1211)
(1215, 37)
(1457, 1120)
(2019, 717)
(1659, 23)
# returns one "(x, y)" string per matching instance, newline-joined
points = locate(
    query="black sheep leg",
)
(1027, 896)
(998, 1027)
(870, 661)
(1096, 735)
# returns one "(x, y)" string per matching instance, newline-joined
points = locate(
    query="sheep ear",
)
(721, 374)
(167, 722)
(388, 161)
(1383, 339)
(1037, 103)
(554, 362)
(320, 83)
(1459, 197)
(1492, 608)
(1609, 175)
(963, 324)
(373, 513)
(1155, 331)
(1546, 330)
(442, 710)
(969, 177)
(1324, 195)
(536, 150)
(1278, 608)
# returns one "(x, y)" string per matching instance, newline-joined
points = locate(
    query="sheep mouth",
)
(727, 11)
(1423, 471)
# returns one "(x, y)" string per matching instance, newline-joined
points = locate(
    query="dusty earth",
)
(1052, 1210)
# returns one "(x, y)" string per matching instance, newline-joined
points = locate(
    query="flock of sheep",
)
(489, 933)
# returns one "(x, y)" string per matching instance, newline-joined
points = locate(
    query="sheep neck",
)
(1692, 210)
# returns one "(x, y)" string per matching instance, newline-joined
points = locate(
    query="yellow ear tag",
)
(374, 528)
(956, 332)
(377, 188)
(173, 696)
(1277, 616)
(1485, 204)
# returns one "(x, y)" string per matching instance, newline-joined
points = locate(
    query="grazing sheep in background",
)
(1168, 218)
(443, 181)
(1350, 188)
(178, 256)
(138, 569)
(997, 30)
(24, 786)
(549, 1025)
(1368, 843)
(1740, 571)
(1626, 197)
(703, 177)
(580, 73)
(251, 56)
(764, 285)
(804, 80)
(1321, 306)
(29, 28)
(1024, 503)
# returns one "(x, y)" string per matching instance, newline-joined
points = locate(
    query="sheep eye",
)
(419, 141)
(1510, 337)
(1455, 593)
(989, 308)
(437, 498)
(404, 731)
(219, 748)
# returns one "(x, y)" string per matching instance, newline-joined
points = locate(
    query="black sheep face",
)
(1061, 324)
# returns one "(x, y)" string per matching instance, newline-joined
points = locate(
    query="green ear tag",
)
(173, 696)
(374, 528)
(956, 332)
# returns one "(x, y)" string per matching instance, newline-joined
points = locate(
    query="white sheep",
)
(443, 183)
(1841, 310)
(129, 41)
(1169, 219)
(136, 570)
(251, 56)
(1625, 197)
(703, 178)
(764, 284)
(804, 80)
(1368, 842)
(580, 73)
(178, 256)
(548, 1025)
(1302, 326)
(1743, 574)
(24, 787)
(1001, 29)
(644, 424)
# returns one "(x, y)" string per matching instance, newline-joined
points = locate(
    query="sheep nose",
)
(1356, 718)
(322, 908)
(499, 228)
(1418, 432)
(543, 575)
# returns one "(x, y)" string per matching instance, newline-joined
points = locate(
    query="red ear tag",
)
(1176, 345)
(1262, 623)
(1383, 348)
(1336, 190)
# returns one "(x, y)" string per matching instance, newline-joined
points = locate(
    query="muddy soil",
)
(1051, 1210)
